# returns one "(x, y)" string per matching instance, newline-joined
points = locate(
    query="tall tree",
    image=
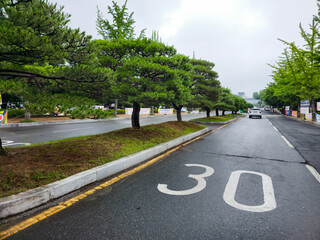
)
(136, 64)
(122, 29)
(307, 60)
(206, 86)
(180, 87)
(226, 102)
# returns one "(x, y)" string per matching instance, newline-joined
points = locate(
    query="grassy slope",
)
(29, 167)
(218, 118)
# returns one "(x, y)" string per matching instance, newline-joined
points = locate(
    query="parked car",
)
(255, 112)
(267, 109)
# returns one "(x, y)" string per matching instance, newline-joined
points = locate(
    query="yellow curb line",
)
(27, 223)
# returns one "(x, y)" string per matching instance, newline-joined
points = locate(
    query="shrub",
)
(121, 111)
(14, 113)
(98, 113)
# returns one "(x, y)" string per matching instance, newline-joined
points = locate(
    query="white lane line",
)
(75, 129)
(286, 140)
(11, 144)
(313, 172)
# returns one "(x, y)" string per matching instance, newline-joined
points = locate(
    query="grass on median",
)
(33, 166)
(221, 118)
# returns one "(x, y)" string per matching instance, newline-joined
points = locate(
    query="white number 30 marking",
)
(199, 177)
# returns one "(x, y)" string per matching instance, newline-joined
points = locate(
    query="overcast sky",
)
(239, 36)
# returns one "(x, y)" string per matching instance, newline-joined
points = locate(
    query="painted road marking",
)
(313, 172)
(287, 142)
(199, 187)
(75, 129)
(268, 192)
(283, 137)
(6, 143)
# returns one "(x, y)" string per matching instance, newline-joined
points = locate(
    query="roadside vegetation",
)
(46, 65)
(222, 118)
(296, 75)
(32, 166)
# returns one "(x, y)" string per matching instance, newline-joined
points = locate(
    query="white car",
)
(255, 112)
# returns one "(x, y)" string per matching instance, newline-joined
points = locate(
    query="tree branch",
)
(24, 74)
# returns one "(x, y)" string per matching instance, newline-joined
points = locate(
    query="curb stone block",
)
(23, 201)
(69, 184)
(111, 168)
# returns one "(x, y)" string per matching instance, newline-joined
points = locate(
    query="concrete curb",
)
(218, 123)
(35, 197)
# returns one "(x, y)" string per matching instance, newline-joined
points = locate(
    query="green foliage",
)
(297, 74)
(14, 113)
(122, 26)
(121, 111)
(239, 104)
(215, 118)
(145, 81)
(141, 70)
(36, 32)
(249, 105)
(206, 87)
(256, 95)
(42, 59)
(180, 85)
(226, 102)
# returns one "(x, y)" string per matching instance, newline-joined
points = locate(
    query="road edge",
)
(24, 201)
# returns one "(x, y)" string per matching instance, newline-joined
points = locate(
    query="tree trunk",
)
(27, 115)
(298, 112)
(115, 109)
(178, 110)
(208, 111)
(313, 109)
(135, 116)
(290, 110)
(223, 112)
(217, 112)
(2, 151)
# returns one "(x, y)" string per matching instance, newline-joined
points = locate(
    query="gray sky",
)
(239, 36)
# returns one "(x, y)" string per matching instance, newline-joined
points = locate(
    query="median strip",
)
(130, 160)
(26, 200)
(219, 120)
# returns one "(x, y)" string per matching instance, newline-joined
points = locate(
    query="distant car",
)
(255, 112)
(267, 109)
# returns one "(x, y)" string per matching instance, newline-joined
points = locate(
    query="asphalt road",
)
(17, 136)
(242, 181)
(304, 137)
